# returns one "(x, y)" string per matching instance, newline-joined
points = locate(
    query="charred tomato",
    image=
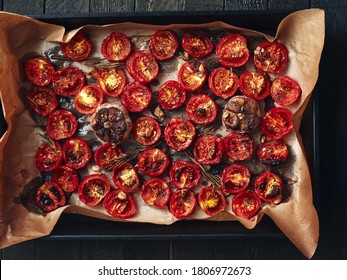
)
(88, 99)
(211, 200)
(106, 154)
(208, 149)
(276, 123)
(146, 130)
(111, 81)
(196, 44)
(184, 174)
(116, 47)
(163, 44)
(223, 82)
(269, 187)
(68, 81)
(78, 48)
(120, 204)
(155, 192)
(136, 97)
(125, 177)
(179, 133)
(273, 152)
(50, 196)
(39, 71)
(235, 178)
(61, 124)
(201, 109)
(43, 101)
(66, 178)
(153, 162)
(238, 146)
(192, 75)
(76, 153)
(246, 204)
(285, 91)
(49, 156)
(93, 188)
(255, 85)
(171, 95)
(182, 203)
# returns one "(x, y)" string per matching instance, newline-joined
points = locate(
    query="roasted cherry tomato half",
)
(246, 204)
(39, 71)
(182, 203)
(49, 156)
(171, 95)
(93, 188)
(196, 44)
(155, 192)
(68, 81)
(120, 204)
(66, 178)
(211, 200)
(238, 146)
(106, 154)
(136, 97)
(208, 149)
(201, 109)
(184, 174)
(271, 57)
(179, 133)
(43, 101)
(235, 178)
(142, 67)
(61, 124)
(116, 47)
(232, 51)
(223, 82)
(125, 177)
(163, 44)
(76, 153)
(255, 85)
(78, 48)
(88, 99)
(192, 75)
(285, 91)
(153, 162)
(50, 196)
(276, 123)
(269, 187)
(273, 152)
(146, 130)
(112, 81)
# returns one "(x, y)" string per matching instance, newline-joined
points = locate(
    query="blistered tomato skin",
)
(201, 109)
(93, 188)
(163, 44)
(196, 44)
(43, 101)
(49, 156)
(68, 81)
(246, 204)
(269, 187)
(153, 162)
(182, 203)
(61, 124)
(79, 47)
(276, 123)
(120, 204)
(179, 133)
(184, 174)
(39, 71)
(208, 149)
(50, 196)
(116, 47)
(156, 192)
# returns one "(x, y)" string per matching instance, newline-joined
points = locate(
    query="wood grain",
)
(203, 5)
(57, 250)
(288, 5)
(245, 5)
(109, 6)
(147, 250)
(328, 4)
(192, 249)
(66, 6)
(24, 7)
(159, 5)
(102, 250)
(20, 251)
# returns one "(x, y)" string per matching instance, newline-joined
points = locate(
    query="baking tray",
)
(73, 226)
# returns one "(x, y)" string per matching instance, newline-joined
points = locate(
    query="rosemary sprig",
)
(48, 141)
(211, 127)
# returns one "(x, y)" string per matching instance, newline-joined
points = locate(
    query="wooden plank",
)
(159, 5)
(147, 249)
(66, 7)
(24, 7)
(329, 4)
(245, 5)
(288, 5)
(345, 233)
(105, 6)
(21, 251)
(57, 250)
(203, 5)
(102, 250)
(192, 250)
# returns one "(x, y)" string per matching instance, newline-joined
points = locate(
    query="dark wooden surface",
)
(332, 103)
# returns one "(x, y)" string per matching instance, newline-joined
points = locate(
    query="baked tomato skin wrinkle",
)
(48, 157)
(238, 146)
(182, 203)
(153, 162)
(120, 204)
(43, 101)
(192, 75)
(246, 204)
(77, 153)
(285, 91)
(163, 44)
(208, 149)
(201, 109)
(271, 57)
(111, 81)
(66, 178)
(93, 188)
(68, 81)
(88, 99)
(235, 178)
(184, 174)
(276, 123)
(146, 130)
(78, 48)
(116, 47)
(142, 67)
(50, 196)
(179, 133)
(125, 177)
(155, 192)
(223, 82)
(269, 187)
(255, 85)
(136, 97)
(196, 44)
(61, 124)
(39, 71)
(171, 95)
(211, 200)
(106, 154)
(273, 152)
(232, 51)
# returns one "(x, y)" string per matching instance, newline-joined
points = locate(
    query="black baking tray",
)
(73, 226)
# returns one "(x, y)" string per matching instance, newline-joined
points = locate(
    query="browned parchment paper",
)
(303, 34)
